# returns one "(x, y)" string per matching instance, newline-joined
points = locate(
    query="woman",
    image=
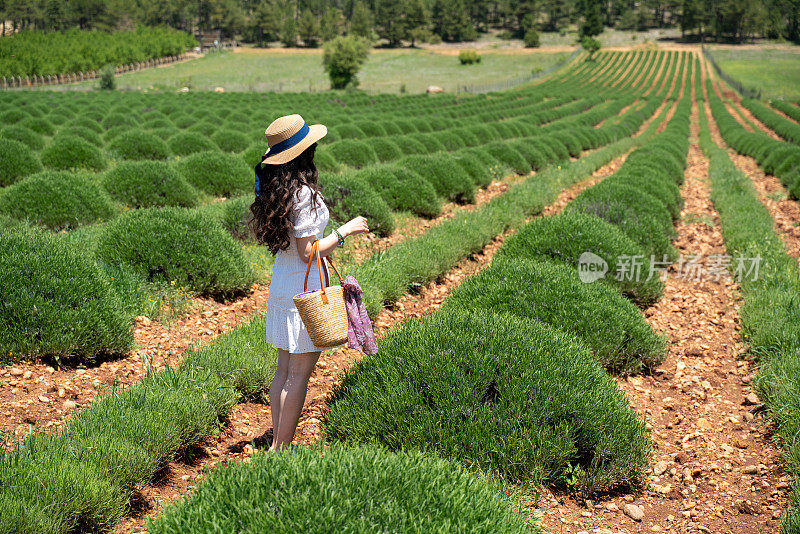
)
(289, 214)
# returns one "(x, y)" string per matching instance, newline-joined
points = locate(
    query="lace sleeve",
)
(305, 218)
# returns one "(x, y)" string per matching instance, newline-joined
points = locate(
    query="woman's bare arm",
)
(327, 244)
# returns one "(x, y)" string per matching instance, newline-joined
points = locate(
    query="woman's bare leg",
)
(275, 390)
(293, 396)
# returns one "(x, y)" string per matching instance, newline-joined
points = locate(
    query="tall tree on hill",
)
(416, 19)
(592, 18)
(265, 22)
(362, 22)
(389, 21)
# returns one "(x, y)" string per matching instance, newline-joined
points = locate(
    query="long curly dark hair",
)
(271, 220)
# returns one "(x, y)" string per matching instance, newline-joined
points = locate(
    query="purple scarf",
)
(359, 329)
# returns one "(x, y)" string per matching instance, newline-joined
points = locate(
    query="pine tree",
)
(265, 22)
(389, 21)
(416, 19)
(308, 28)
(361, 23)
(288, 32)
(592, 18)
(451, 21)
(331, 24)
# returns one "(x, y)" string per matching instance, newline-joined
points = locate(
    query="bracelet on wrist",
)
(339, 237)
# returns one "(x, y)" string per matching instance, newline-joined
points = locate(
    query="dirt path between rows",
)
(714, 467)
(251, 423)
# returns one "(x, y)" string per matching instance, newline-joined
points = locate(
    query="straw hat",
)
(288, 137)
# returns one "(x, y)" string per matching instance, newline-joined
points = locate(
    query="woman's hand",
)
(354, 227)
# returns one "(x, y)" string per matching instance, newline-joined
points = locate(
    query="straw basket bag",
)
(323, 310)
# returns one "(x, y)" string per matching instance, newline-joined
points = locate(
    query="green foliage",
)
(76, 50)
(447, 177)
(350, 195)
(25, 136)
(93, 473)
(385, 149)
(469, 57)
(87, 134)
(57, 200)
(65, 308)
(610, 325)
(407, 483)
(186, 143)
(216, 173)
(16, 161)
(533, 396)
(230, 140)
(108, 80)
(356, 154)
(590, 45)
(68, 152)
(403, 189)
(174, 245)
(144, 184)
(137, 144)
(342, 59)
(531, 38)
(564, 238)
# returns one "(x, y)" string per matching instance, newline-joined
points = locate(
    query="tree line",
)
(311, 22)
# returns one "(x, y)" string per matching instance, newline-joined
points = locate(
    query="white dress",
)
(285, 328)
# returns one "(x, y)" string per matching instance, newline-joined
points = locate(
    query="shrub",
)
(385, 149)
(25, 136)
(350, 131)
(230, 140)
(349, 195)
(16, 161)
(469, 57)
(639, 215)
(480, 173)
(186, 143)
(57, 200)
(174, 245)
(324, 160)
(353, 153)
(38, 125)
(119, 119)
(342, 59)
(610, 325)
(509, 156)
(234, 216)
(531, 38)
(533, 396)
(403, 189)
(217, 174)
(137, 145)
(447, 177)
(565, 237)
(536, 159)
(108, 80)
(84, 133)
(13, 116)
(72, 152)
(407, 482)
(143, 184)
(65, 308)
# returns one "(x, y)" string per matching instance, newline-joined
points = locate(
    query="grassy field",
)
(251, 69)
(775, 71)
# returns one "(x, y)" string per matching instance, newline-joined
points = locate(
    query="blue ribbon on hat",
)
(286, 144)
(277, 148)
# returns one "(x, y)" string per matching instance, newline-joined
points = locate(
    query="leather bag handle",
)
(315, 254)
